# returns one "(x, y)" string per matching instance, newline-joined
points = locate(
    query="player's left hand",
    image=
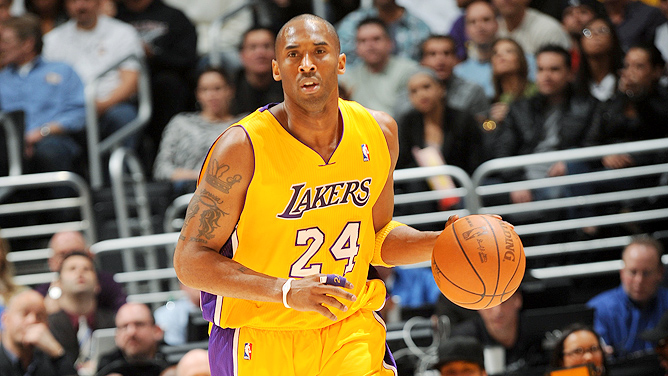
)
(452, 219)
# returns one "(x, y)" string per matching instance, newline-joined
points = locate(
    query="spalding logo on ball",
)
(478, 262)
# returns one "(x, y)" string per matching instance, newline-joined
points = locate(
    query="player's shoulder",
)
(386, 122)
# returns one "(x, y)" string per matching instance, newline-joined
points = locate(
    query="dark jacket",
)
(523, 128)
(42, 365)
(115, 362)
(66, 334)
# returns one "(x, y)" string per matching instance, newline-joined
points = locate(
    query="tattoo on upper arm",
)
(215, 176)
(211, 213)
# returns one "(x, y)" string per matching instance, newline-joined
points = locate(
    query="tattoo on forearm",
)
(181, 237)
(243, 269)
(215, 176)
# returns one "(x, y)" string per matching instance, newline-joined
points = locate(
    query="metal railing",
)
(98, 148)
(13, 140)
(41, 208)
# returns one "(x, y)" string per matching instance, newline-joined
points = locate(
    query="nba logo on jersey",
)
(248, 350)
(365, 152)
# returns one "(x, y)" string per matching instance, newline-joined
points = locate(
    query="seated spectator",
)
(658, 336)
(661, 37)
(173, 317)
(510, 77)
(579, 345)
(51, 13)
(111, 294)
(188, 136)
(170, 46)
(458, 32)
(49, 93)
(638, 111)
(405, 30)
(79, 314)
(7, 286)
(194, 363)
(5, 7)
(554, 119)
(575, 16)
(501, 326)
(254, 83)
(92, 44)
(621, 314)
(529, 27)
(636, 22)
(460, 356)
(380, 81)
(439, 15)
(28, 347)
(601, 62)
(137, 340)
(203, 13)
(438, 53)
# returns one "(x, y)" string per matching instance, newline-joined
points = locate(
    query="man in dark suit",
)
(79, 314)
(27, 345)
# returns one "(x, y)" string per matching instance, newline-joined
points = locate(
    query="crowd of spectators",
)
(467, 81)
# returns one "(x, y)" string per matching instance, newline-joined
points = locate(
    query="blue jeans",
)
(115, 118)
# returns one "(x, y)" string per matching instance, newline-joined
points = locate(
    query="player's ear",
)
(275, 71)
(341, 68)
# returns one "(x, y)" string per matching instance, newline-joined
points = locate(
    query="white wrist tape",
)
(286, 289)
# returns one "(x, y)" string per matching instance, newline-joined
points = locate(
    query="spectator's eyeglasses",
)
(579, 352)
(590, 33)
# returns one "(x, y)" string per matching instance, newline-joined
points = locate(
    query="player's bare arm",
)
(210, 219)
(404, 244)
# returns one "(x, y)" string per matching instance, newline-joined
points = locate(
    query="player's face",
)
(598, 40)
(481, 25)
(77, 275)
(213, 94)
(582, 347)
(136, 334)
(642, 273)
(505, 58)
(374, 46)
(439, 55)
(308, 62)
(425, 92)
(26, 309)
(553, 74)
(83, 11)
(462, 368)
(257, 51)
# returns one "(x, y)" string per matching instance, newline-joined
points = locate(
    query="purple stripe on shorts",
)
(221, 351)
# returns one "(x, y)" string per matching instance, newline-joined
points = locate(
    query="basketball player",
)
(290, 199)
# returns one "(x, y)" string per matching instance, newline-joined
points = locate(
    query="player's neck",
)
(319, 129)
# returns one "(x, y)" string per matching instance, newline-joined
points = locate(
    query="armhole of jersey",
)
(208, 155)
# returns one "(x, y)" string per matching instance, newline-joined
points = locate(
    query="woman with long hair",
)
(188, 136)
(510, 76)
(602, 60)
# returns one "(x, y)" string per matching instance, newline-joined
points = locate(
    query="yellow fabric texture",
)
(304, 216)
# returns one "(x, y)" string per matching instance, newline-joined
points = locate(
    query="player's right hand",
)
(309, 294)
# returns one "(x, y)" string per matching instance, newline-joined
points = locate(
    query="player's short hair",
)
(328, 25)
(26, 27)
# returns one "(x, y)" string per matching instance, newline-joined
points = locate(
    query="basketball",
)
(478, 262)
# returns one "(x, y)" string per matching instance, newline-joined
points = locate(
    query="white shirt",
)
(605, 89)
(91, 52)
(661, 40)
(536, 30)
(438, 14)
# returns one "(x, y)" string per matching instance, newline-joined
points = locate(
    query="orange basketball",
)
(478, 262)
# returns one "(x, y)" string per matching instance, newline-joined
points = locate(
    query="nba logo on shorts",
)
(248, 350)
(365, 152)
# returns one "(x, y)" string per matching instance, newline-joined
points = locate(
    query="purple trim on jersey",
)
(267, 106)
(208, 300)
(221, 351)
(388, 358)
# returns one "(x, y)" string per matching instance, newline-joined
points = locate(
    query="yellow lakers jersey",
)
(304, 216)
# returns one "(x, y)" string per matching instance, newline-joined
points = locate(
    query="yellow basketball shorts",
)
(353, 346)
